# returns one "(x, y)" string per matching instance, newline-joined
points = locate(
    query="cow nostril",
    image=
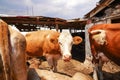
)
(67, 57)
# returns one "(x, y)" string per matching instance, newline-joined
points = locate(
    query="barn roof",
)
(31, 22)
(100, 6)
(77, 23)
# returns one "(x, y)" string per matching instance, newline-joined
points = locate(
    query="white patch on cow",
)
(65, 40)
(99, 37)
(48, 36)
(24, 33)
(14, 28)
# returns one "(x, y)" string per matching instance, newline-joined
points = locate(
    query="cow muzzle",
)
(67, 57)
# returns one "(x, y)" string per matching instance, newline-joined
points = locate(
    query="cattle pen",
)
(80, 67)
(34, 23)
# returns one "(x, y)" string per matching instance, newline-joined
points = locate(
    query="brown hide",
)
(12, 50)
(5, 71)
(112, 46)
(18, 62)
(45, 41)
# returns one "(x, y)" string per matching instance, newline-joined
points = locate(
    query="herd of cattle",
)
(104, 43)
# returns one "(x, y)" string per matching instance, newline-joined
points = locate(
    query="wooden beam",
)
(56, 27)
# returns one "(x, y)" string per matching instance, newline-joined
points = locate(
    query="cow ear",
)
(77, 40)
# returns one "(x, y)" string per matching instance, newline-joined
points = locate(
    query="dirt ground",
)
(73, 70)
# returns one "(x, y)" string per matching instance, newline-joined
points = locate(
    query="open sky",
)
(66, 9)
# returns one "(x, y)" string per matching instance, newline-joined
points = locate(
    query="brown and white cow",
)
(105, 41)
(51, 44)
(13, 55)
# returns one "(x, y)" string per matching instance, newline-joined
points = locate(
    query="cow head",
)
(51, 44)
(66, 41)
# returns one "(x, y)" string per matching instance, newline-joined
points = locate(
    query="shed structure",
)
(33, 23)
(107, 11)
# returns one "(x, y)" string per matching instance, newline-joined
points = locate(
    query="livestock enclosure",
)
(34, 23)
(80, 67)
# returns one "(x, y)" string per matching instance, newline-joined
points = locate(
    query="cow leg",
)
(95, 69)
(102, 60)
(100, 74)
(54, 65)
(55, 60)
(18, 58)
(50, 61)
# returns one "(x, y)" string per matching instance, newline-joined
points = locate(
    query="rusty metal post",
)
(4, 52)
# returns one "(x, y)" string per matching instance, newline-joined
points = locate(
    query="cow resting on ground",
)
(51, 44)
(104, 41)
(14, 61)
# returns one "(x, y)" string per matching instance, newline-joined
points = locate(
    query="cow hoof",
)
(54, 71)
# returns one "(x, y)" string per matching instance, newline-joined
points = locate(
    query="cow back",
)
(40, 42)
